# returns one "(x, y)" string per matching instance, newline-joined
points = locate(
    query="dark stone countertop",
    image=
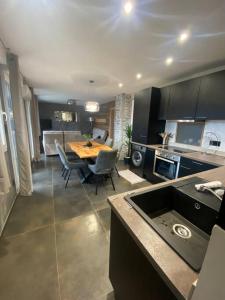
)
(172, 268)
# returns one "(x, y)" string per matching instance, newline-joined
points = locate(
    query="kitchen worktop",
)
(192, 154)
(172, 268)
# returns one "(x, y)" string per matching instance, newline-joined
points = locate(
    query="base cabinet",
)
(132, 275)
(149, 167)
(190, 166)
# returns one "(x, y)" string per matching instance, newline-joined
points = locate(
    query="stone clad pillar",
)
(123, 116)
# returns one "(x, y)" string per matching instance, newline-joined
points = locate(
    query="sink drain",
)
(182, 231)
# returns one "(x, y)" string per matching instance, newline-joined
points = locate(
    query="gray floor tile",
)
(29, 213)
(27, 260)
(71, 206)
(83, 252)
(43, 176)
(28, 266)
(105, 217)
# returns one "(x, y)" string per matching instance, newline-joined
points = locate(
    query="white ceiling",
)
(62, 44)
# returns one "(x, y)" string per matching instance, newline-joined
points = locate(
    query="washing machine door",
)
(137, 158)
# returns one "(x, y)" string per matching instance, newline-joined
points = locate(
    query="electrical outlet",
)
(215, 143)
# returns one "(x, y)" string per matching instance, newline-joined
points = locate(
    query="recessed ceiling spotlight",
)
(128, 7)
(120, 85)
(184, 36)
(138, 76)
(169, 61)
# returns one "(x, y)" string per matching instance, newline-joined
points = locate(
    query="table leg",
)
(85, 176)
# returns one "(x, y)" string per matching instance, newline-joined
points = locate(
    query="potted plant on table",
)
(87, 137)
(128, 133)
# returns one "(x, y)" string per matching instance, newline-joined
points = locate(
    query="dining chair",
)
(70, 156)
(104, 166)
(69, 166)
(109, 142)
(118, 158)
(57, 143)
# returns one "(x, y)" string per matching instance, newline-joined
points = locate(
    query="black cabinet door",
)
(149, 166)
(183, 100)
(185, 168)
(211, 104)
(142, 101)
(164, 102)
(132, 275)
(198, 166)
(190, 166)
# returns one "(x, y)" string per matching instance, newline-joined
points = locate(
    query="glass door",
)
(165, 168)
(10, 133)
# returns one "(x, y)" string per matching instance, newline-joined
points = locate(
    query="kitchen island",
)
(141, 263)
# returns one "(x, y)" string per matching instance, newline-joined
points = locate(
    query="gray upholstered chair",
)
(69, 166)
(109, 142)
(99, 135)
(118, 158)
(104, 166)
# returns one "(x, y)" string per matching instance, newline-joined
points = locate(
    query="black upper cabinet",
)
(164, 102)
(200, 98)
(183, 100)
(146, 125)
(141, 116)
(211, 104)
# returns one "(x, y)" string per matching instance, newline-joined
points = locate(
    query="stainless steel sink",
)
(182, 216)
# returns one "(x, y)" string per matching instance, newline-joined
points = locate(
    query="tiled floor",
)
(56, 243)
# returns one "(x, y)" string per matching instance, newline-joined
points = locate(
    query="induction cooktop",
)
(176, 149)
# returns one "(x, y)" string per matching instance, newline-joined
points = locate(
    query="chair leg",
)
(68, 178)
(62, 168)
(66, 173)
(63, 172)
(117, 171)
(96, 188)
(82, 173)
(112, 182)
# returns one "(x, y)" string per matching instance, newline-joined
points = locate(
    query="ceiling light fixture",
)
(128, 7)
(169, 61)
(71, 102)
(138, 76)
(92, 106)
(184, 36)
(120, 85)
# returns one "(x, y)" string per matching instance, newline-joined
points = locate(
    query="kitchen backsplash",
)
(217, 127)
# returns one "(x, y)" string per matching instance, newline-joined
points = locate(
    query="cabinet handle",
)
(185, 167)
(201, 118)
(197, 163)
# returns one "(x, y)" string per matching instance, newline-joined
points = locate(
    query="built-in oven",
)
(166, 165)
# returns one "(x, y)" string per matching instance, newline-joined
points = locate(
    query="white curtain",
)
(36, 126)
(22, 140)
(33, 124)
(27, 97)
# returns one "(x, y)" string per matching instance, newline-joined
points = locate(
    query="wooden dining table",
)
(88, 152)
(84, 152)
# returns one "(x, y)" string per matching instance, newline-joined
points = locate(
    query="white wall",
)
(218, 127)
